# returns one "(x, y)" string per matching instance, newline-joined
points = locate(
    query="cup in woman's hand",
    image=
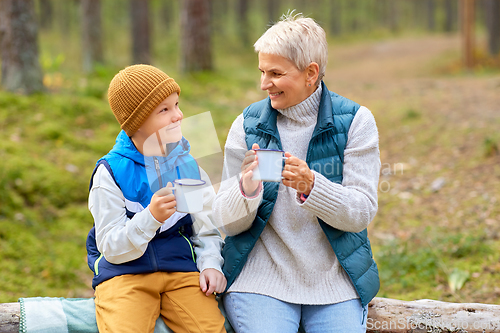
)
(270, 165)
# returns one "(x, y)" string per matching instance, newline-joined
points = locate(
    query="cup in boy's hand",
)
(189, 195)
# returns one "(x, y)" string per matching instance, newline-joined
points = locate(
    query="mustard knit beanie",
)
(135, 92)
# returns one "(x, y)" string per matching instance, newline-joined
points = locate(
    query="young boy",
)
(140, 249)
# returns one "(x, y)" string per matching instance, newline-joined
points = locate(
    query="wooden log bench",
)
(394, 316)
(385, 315)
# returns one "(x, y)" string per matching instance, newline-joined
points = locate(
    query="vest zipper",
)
(158, 172)
(190, 245)
(152, 257)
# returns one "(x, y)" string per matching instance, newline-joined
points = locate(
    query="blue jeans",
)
(249, 313)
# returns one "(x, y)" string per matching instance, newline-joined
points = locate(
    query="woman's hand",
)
(297, 174)
(249, 163)
(211, 280)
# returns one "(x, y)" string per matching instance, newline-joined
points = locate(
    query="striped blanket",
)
(67, 315)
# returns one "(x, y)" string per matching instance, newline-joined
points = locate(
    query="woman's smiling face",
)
(284, 82)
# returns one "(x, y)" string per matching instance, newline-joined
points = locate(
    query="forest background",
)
(437, 232)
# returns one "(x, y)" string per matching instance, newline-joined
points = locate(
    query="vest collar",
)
(325, 115)
(125, 147)
(267, 121)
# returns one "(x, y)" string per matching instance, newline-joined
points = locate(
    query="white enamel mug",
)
(270, 165)
(189, 195)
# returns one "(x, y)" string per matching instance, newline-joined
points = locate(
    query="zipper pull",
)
(158, 172)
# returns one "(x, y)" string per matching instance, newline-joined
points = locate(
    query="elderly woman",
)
(297, 251)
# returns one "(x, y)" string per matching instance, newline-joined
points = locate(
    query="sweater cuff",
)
(210, 262)
(240, 205)
(324, 198)
(254, 194)
(150, 226)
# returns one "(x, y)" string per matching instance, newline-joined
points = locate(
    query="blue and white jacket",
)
(126, 238)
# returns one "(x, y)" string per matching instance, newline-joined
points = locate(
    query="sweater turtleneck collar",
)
(306, 111)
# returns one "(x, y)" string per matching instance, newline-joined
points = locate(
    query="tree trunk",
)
(21, 71)
(393, 15)
(141, 47)
(450, 15)
(167, 14)
(273, 7)
(468, 31)
(336, 17)
(65, 17)
(46, 14)
(431, 21)
(195, 36)
(353, 9)
(91, 34)
(492, 11)
(219, 16)
(242, 11)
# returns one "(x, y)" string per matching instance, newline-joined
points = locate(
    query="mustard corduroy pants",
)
(133, 303)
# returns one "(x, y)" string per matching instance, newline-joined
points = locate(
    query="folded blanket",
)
(71, 315)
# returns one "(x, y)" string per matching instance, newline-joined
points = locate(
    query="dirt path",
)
(407, 68)
(389, 60)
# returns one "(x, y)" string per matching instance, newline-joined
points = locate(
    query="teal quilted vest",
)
(325, 155)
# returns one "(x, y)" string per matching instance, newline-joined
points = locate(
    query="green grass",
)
(48, 146)
(423, 266)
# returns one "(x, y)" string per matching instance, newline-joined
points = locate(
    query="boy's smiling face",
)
(162, 126)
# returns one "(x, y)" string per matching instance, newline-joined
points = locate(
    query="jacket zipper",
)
(151, 250)
(158, 171)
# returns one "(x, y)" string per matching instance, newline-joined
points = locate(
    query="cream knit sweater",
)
(292, 260)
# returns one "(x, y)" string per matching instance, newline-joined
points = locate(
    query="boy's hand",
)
(249, 163)
(163, 203)
(211, 280)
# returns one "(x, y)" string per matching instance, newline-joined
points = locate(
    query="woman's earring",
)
(309, 84)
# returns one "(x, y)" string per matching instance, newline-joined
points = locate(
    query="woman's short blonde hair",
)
(297, 38)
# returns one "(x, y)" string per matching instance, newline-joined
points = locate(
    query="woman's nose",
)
(265, 83)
